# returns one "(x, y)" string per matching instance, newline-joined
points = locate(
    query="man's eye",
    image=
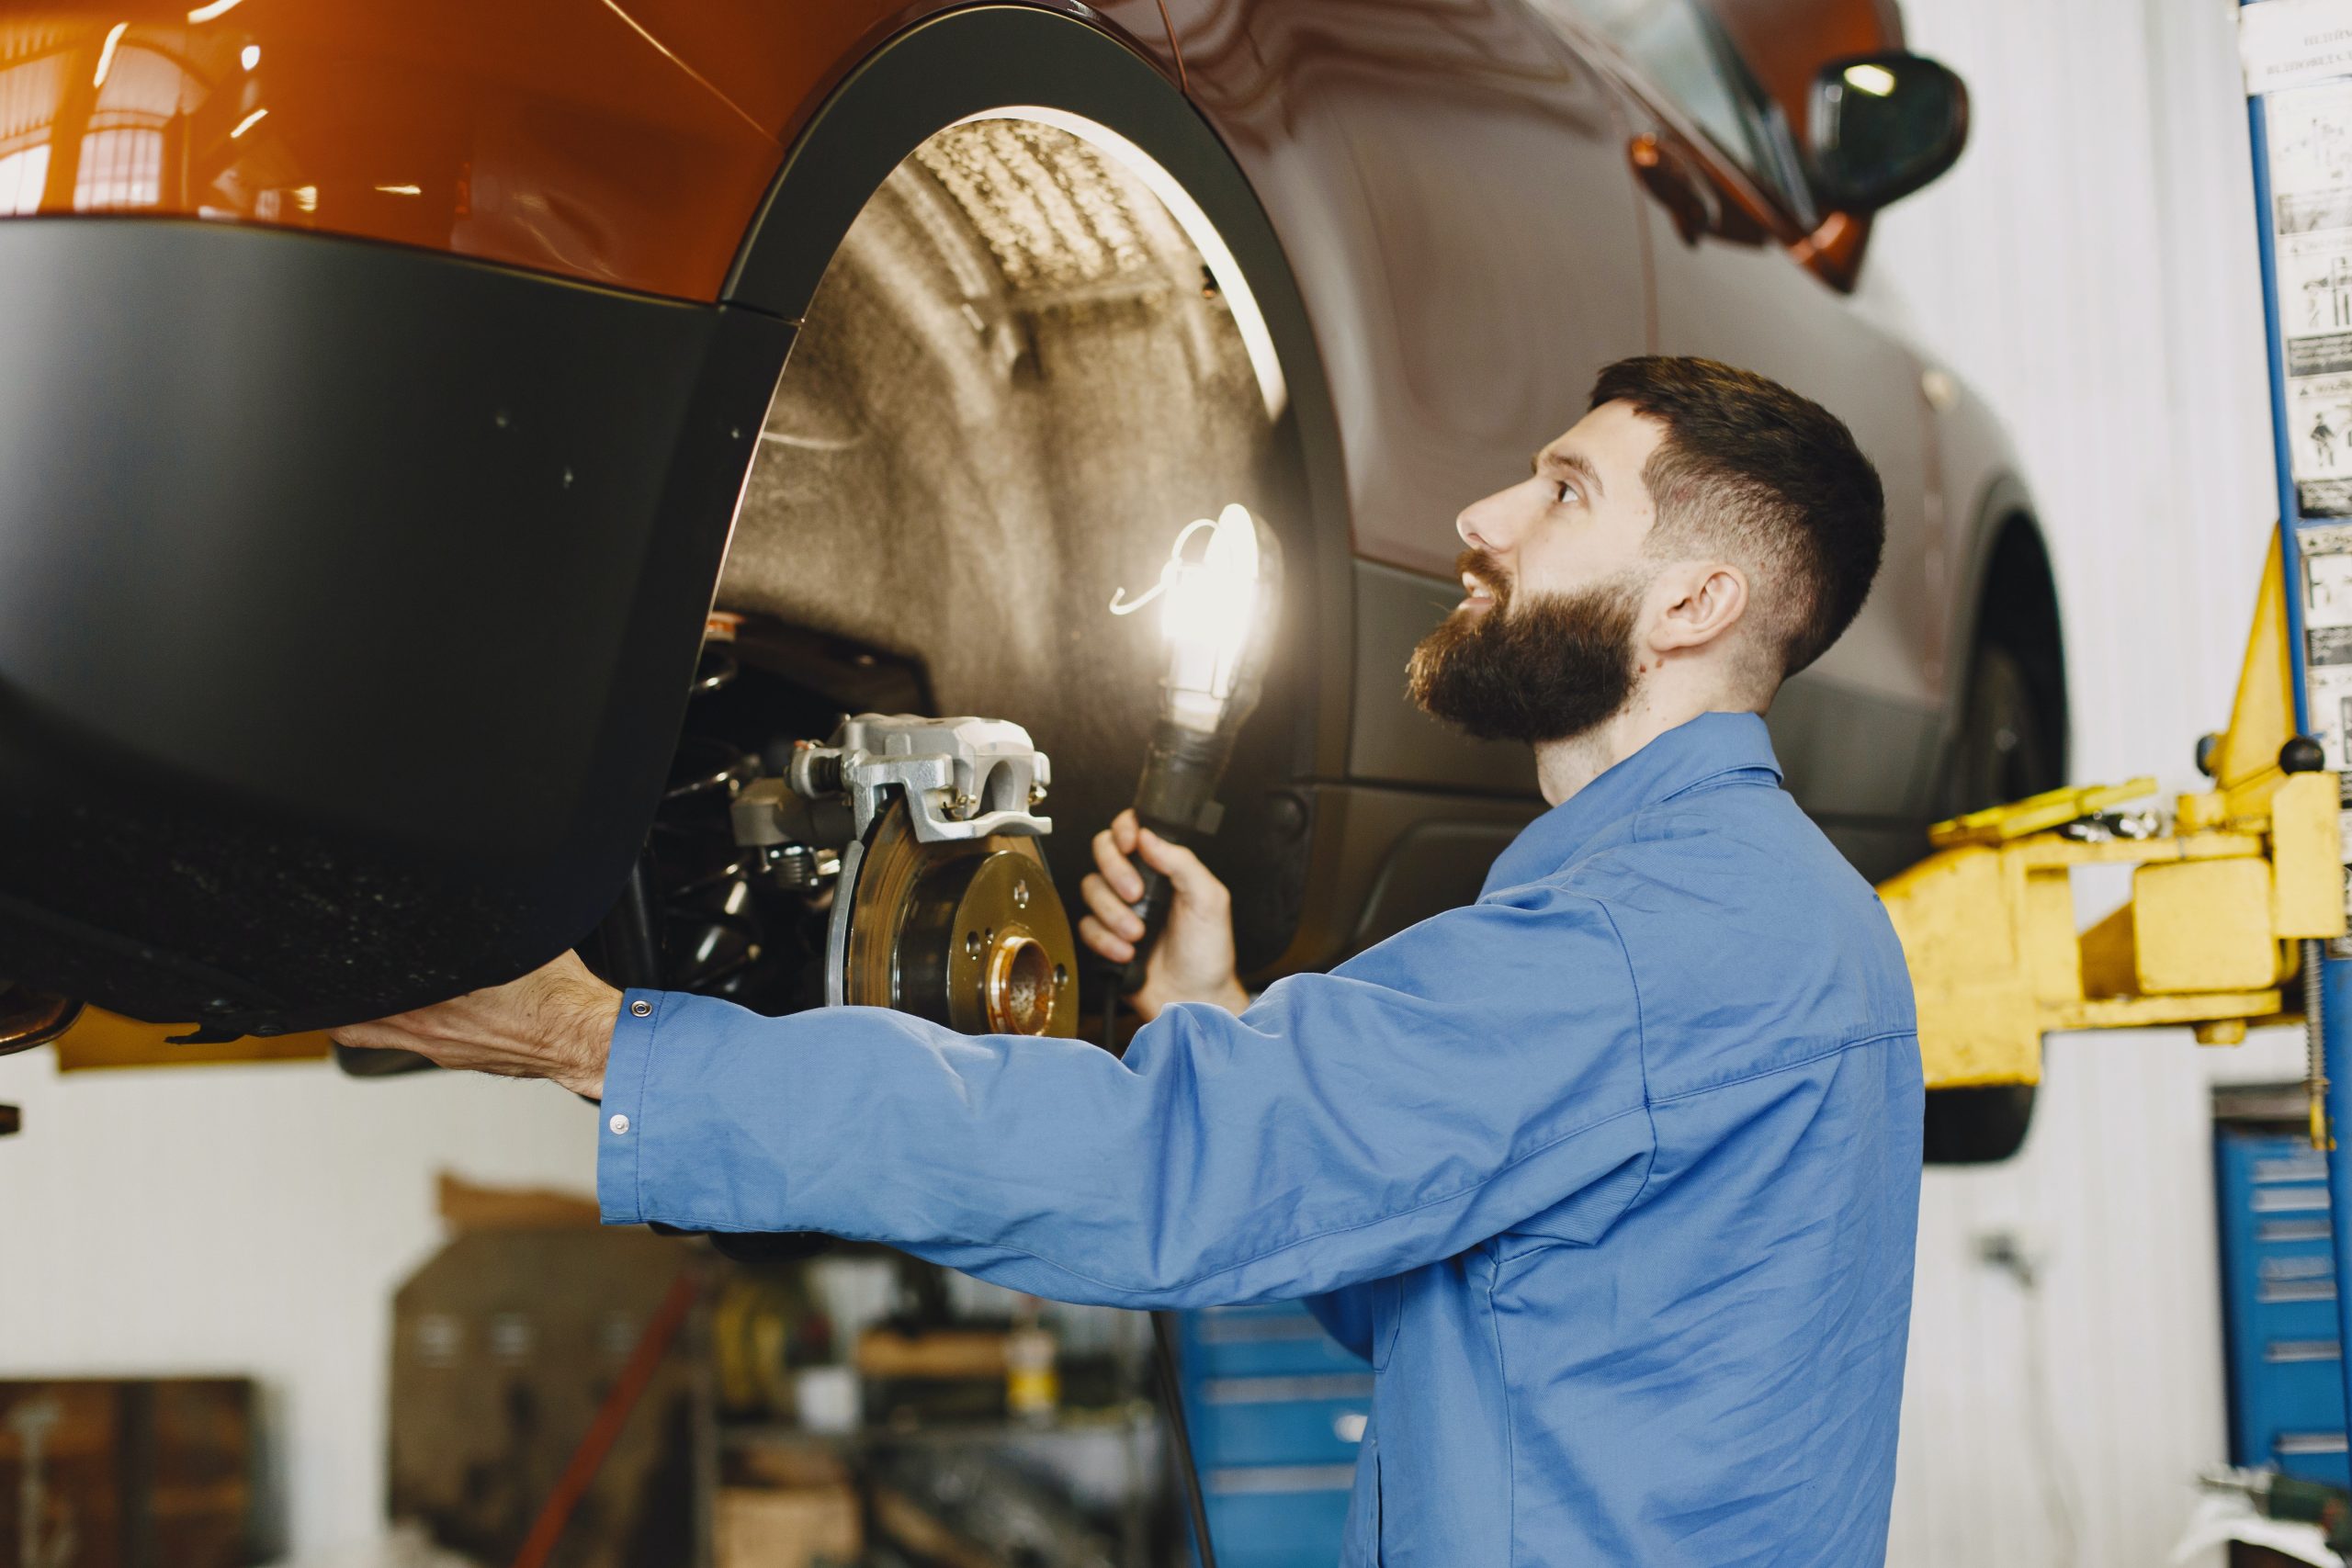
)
(1564, 491)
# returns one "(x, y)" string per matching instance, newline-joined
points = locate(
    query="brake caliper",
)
(943, 905)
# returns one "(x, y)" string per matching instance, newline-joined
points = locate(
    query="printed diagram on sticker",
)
(2311, 145)
(2311, 201)
(2320, 410)
(2321, 286)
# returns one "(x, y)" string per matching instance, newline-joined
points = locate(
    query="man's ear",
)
(1695, 604)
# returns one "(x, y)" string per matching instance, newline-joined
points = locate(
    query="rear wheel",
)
(2005, 751)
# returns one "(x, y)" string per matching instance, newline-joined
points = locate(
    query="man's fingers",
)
(1124, 829)
(1117, 869)
(1115, 949)
(384, 1036)
(1193, 882)
(1110, 908)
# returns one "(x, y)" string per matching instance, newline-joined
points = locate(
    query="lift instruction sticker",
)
(2311, 216)
(2326, 554)
(2289, 43)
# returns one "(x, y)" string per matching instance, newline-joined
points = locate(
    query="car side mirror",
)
(1880, 127)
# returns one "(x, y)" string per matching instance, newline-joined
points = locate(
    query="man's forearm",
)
(1038, 1163)
(1342, 1129)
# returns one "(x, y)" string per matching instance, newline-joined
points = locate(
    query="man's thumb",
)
(1179, 865)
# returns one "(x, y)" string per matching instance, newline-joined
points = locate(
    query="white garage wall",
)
(252, 1220)
(2090, 266)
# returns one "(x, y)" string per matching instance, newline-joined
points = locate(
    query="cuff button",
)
(619, 1124)
(641, 1007)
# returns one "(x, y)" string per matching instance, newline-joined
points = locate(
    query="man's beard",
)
(1550, 668)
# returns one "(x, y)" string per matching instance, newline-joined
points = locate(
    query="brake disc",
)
(968, 933)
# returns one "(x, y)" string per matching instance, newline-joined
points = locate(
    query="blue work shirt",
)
(1612, 1175)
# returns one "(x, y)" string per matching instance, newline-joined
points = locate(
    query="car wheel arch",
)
(959, 65)
(2009, 612)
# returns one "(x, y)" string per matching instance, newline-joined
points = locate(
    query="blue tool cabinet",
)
(1277, 1411)
(2278, 1302)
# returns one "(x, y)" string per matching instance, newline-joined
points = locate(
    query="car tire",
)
(2001, 753)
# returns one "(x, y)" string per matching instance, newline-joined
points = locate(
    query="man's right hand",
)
(1192, 961)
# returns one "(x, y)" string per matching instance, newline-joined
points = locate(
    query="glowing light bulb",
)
(1875, 80)
(1208, 597)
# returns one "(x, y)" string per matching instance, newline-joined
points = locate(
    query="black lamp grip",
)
(1159, 898)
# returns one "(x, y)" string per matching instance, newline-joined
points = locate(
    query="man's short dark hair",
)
(1771, 480)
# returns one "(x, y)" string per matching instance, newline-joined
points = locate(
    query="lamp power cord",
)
(1164, 1347)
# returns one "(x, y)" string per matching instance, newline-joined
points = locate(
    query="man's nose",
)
(1487, 525)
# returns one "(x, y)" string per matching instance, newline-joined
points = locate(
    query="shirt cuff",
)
(620, 1133)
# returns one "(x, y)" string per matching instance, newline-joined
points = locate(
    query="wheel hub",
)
(965, 933)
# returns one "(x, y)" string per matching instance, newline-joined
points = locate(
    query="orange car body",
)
(626, 144)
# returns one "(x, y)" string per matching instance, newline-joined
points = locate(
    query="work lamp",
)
(1217, 597)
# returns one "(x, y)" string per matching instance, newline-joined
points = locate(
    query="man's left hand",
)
(555, 1022)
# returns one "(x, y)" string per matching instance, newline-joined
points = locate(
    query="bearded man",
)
(1612, 1175)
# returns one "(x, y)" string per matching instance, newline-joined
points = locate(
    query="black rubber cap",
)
(2206, 746)
(2302, 754)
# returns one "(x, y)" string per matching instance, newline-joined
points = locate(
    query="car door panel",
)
(1452, 192)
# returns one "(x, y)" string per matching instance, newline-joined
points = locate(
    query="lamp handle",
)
(1159, 898)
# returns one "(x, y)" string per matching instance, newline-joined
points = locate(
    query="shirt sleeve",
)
(1468, 1073)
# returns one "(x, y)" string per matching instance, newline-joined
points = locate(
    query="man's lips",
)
(1477, 595)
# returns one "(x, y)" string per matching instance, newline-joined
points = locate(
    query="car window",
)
(1683, 53)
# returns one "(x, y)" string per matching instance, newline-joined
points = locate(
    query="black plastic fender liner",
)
(348, 598)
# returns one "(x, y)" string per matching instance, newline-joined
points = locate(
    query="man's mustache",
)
(1482, 565)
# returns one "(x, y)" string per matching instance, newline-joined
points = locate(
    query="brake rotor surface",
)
(967, 934)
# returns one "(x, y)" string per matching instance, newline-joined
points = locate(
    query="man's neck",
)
(1564, 767)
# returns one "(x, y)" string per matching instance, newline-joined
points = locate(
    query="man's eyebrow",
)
(1574, 463)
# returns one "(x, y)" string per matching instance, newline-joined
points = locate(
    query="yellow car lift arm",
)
(2229, 900)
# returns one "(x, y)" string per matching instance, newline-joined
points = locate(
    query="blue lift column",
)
(2299, 88)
